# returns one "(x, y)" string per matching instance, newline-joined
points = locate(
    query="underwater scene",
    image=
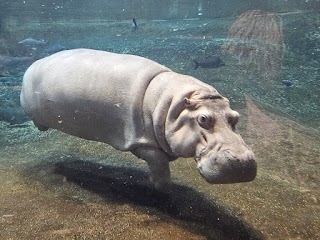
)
(87, 137)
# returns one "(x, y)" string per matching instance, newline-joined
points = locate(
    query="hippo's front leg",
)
(158, 161)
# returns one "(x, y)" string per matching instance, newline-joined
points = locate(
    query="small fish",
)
(287, 83)
(134, 26)
(210, 62)
(30, 42)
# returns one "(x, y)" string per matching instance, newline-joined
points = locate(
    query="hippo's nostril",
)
(248, 155)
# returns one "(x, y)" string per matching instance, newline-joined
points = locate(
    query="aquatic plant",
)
(256, 39)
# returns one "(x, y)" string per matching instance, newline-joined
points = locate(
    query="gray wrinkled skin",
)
(137, 105)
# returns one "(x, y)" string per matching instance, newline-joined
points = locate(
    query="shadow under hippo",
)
(122, 185)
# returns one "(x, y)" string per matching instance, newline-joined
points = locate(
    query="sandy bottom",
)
(55, 186)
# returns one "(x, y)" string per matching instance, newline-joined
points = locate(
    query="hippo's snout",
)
(227, 166)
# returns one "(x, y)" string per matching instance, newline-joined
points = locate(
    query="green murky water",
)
(55, 186)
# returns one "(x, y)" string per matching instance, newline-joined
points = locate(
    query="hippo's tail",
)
(196, 64)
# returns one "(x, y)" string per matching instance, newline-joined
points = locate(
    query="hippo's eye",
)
(204, 121)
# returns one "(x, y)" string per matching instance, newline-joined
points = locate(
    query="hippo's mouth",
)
(224, 166)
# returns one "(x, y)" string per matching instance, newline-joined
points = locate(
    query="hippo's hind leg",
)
(159, 172)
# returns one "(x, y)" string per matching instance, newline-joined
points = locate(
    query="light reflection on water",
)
(142, 9)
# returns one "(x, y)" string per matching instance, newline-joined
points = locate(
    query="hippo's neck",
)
(165, 99)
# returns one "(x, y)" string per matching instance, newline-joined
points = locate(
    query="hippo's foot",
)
(159, 172)
(161, 185)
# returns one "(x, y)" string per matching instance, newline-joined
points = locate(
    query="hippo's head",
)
(205, 128)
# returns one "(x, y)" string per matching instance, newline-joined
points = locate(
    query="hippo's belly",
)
(91, 94)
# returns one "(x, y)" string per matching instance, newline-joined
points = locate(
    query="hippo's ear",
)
(189, 103)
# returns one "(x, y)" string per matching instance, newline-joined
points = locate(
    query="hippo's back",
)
(91, 94)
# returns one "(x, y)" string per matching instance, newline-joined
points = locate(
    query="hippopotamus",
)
(135, 104)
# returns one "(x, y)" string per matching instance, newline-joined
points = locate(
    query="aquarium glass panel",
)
(162, 119)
